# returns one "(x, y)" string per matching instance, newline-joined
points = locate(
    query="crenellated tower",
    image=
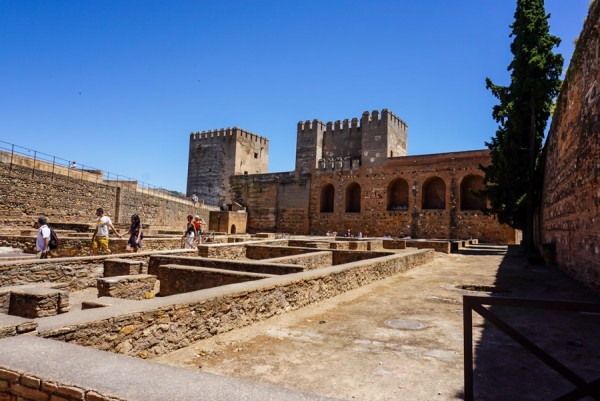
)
(368, 141)
(309, 145)
(216, 155)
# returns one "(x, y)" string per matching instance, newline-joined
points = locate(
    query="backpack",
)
(53, 244)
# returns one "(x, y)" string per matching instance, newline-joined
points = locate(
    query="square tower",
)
(216, 155)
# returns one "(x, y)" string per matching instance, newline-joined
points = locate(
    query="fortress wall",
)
(375, 219)
(25, 194)
(571, 195)
(275, 202)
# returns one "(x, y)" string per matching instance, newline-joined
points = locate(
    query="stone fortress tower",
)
(353, 174)
(369, 141)
(215, 156)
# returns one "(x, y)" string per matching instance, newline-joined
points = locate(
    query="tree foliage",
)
(522, 114)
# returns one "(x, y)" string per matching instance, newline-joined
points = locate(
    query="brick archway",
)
(397, 195)
(469, 187)
(434, 193)
(353, 195)
(327, 199)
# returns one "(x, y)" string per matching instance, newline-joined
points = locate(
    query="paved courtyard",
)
(402, 338)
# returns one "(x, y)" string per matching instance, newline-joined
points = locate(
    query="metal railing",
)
(15, 155)
(476, 304)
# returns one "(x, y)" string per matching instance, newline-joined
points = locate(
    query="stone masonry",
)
(571, 195)
(352, 174)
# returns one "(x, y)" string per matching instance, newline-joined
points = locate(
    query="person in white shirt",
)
(100, 237)
(43, 238)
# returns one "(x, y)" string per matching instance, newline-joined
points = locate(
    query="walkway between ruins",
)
(402, 338)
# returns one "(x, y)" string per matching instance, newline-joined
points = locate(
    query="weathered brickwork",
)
(265, 267)
(177, 279)
(134, 286)
(123, 267)
(17, 386)
(38, 302)
(571, 196)
(313, 260)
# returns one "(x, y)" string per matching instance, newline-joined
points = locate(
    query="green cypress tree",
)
(522, 114)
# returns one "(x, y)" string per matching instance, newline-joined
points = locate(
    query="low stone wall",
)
(393, 244)
(33, 303)
(70, 246)
(177, 279)
(313, 260)
(341, 257)
(77, 272)
(267, 251)
(233, 251)
(438, 246)
(251, 267)
(123, 267)
(160, 325)
(134, 286)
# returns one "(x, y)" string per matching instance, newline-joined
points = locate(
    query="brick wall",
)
(284, 202)
(571, 195)
(15, 385)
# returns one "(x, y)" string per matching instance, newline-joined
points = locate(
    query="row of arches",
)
(433, 190)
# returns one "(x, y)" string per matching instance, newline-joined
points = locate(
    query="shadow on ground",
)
(504, 370)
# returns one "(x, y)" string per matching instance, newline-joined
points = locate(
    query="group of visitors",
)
(104, 225)
(193, 231)
(100, 237)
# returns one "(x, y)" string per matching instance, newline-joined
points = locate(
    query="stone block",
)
(136, 286)
(38, 302)
(177, 279)
(124, 267)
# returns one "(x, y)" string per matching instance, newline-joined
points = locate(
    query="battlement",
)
(355, 125)
(338, 164)
(227, 133)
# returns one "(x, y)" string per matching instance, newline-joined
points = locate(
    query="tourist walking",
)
(100, 237)
(195, 199)
(42, 241)
(135, 234)
(190, 233)
(198, 223)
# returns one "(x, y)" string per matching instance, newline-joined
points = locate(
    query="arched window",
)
(469, 187)
(397, 195)
(327, 198)
(353, 198)
(233, 229)
(434, 193)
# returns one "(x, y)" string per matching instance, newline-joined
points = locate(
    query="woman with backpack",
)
(135, 234)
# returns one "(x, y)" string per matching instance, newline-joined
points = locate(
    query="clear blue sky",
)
(119, 85)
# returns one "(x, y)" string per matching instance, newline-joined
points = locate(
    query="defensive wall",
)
(216, 155)
(67, 196)
(426, 196)
(571, 196)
